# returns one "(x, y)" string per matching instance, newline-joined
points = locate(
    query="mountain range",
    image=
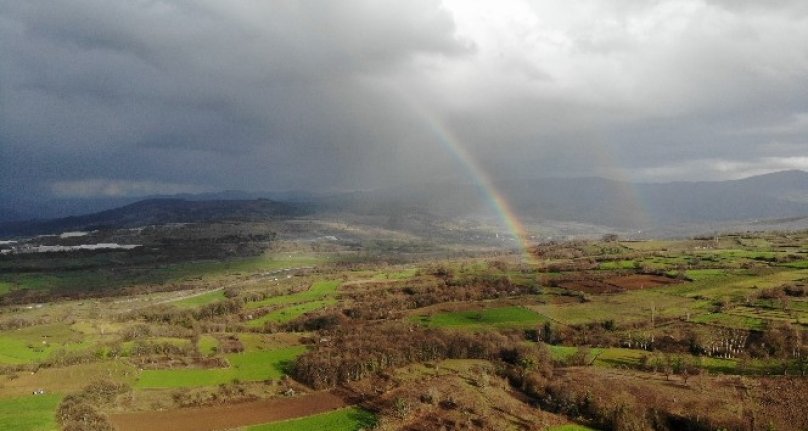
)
(595, 201)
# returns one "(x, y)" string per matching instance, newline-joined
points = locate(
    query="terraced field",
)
(489, 317)
(248, 366)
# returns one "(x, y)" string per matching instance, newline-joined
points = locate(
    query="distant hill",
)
(602, 201)
(593, 201)
(160, 211)
(621, 204)
(8, 214)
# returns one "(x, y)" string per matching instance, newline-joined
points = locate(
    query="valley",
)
(242, 326)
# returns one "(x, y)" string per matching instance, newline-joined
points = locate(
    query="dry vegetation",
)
(701, 334)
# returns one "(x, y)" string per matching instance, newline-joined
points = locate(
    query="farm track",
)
(230, 416)
(195, 293)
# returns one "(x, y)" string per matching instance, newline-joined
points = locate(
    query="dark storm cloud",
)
(139, 97)
(241, 94)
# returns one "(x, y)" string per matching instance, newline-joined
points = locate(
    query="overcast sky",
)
(137, 97)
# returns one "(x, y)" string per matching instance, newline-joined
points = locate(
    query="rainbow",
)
(447, 138)
(628, 194)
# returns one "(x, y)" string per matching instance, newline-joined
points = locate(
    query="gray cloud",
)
(103, 96)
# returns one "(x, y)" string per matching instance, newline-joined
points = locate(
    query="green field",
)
(203, 299)
(287, 314)
(90, 280)
(731, 320)
(404, 274)
(347, 419)
(37, 343)
(248, 366)
(29, 413)
(319, 290)
(571, 427)
(633, 306)
(619, 357)
(208, 344)
(736, 286)
(497, 317)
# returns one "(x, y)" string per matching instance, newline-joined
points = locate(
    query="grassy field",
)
(404, 274)
(319, 290)
(347, 419)
(571, 427)
(720, 294)
(618, 357)
(89, 280)
(36, 343)
(626, 307)
(286, 314)
(248, 366)
(29, 413)
(208, 344)
(203, 299)
(491, 317)
(738, 285)
(64, 380)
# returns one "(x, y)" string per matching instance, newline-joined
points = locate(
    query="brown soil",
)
(595, 285)
(590, 286)
(227, 417)
(641, 281)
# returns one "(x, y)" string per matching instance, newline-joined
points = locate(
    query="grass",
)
(208, 345)
(570, 427)
(36, 343)
(29, 413)
(737, 286)
(346, 419)
(5, 287)
(628, 307)
(64, 380)
(319, 290)
(619, 357)
(248, 366)
(95, 279)
(203, 299)
(705, 274)
(287, 314)
(732, 320)
(498, 317)
(403, 274)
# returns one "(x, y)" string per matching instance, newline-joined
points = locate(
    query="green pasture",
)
(632, 358)
(94, 279)
(203, 299)
(705, 274)
(731, 320)
(292, 312)
(37, 343)
(496, 317)
(570, 427)
(403, 274)
(346, 419)
(738, 285)
(5, 287)
(29, 413)
(248, 366)
(319, 290)
(208, 345)
(613, 265)
(627, 307)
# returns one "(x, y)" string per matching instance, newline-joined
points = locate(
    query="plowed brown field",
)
(227, 417)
